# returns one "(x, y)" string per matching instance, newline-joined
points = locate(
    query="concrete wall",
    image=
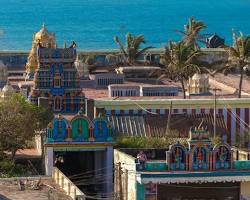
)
(128, 177)
(49, 160)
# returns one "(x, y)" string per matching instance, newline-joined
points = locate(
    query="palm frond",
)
(116, 39)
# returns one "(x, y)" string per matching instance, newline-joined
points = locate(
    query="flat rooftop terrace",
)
(227, 84)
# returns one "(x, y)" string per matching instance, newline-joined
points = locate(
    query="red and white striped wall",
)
(236, 119)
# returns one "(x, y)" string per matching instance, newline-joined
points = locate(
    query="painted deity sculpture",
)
(222, 157)
(59, 128)
(80, 129)
(200, 158)
(177, 157)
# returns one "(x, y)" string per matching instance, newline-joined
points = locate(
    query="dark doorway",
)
(83, 170)
(206, 191)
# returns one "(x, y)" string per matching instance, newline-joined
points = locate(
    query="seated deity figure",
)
(200, 158)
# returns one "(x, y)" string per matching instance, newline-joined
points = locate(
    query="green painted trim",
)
(140, 191)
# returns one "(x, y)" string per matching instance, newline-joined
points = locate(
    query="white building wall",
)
(49, 160)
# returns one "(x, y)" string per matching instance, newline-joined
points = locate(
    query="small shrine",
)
(200, 153)
(198, 84)
(79, 129)
(57, 80)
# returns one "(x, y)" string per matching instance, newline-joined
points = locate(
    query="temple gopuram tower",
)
(46, 39)
(57, 82)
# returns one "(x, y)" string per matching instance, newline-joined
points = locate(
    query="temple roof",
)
(43, 34)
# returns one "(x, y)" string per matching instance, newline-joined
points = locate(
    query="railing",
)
(152, 166)
(162, 166)
(67, 185)
(241, 165)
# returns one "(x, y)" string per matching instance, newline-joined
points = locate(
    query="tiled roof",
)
(155, 126)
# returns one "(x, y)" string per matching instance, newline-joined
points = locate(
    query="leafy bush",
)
(146, 142)
(10, 169)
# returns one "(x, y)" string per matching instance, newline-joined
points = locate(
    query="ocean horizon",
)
(94, 23)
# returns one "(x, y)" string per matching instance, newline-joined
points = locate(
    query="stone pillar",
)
(109, 169)
(49, 160)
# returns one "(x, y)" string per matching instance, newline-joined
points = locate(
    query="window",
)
(57, 81)
(57, 103)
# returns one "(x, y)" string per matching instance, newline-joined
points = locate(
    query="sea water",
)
(93, 23)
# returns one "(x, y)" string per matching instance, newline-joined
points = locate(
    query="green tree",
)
(178, 62)
(132, 50)
(239, 55)
(191, 33)
(19, 121)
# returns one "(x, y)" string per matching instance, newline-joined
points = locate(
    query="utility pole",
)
(215, 98)
(169, 118)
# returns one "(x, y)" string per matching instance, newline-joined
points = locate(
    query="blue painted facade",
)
(78, 130)
(57, 80)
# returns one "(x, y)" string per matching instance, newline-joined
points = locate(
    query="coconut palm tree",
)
(131, 51)
(178, 62)
(191, 33)
(239, 56)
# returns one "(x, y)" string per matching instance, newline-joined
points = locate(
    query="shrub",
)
(10, 169)
(146, 142)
